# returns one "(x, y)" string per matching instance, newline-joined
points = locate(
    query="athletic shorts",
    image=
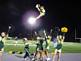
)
(58, 50)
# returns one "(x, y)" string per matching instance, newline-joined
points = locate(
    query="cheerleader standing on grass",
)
(58, 48)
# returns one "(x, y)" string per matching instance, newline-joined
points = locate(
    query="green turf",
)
(68, 47)
(72, 47)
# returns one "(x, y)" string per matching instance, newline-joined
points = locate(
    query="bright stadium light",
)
(32, 20)
(9, 27)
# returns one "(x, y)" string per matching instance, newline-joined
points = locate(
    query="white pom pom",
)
(37, 5)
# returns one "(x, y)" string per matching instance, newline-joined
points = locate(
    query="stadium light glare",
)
(32, 20)
(9, 27)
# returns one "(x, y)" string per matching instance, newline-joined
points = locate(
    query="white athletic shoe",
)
(48, 59)
(33, 59)
(25, 59)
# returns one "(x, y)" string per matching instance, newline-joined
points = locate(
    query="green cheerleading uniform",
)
(59, 46)
(1, 45)
(39, 45)
(60, 40)
(47, 43)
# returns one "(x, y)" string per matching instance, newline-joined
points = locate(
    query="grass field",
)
(68, 47)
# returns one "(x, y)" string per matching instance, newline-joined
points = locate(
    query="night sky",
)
(58, 13)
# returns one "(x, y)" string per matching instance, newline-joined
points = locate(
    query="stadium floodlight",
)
(32, 21)
(9, 27)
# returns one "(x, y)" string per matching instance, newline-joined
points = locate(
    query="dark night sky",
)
(58, 13)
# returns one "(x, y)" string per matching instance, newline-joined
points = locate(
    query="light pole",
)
(9, 27)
